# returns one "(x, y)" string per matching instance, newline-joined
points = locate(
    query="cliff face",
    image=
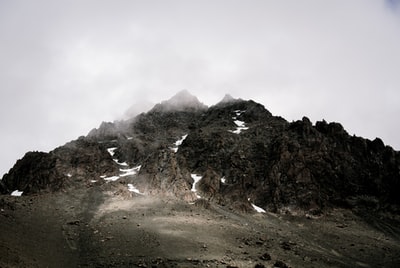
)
(234, 153)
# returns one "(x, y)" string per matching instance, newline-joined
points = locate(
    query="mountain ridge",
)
(243, 153)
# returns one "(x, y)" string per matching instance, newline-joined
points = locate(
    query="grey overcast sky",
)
(65, 66)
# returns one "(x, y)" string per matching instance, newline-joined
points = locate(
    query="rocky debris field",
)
(104, 225)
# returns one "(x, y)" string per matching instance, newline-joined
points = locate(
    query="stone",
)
(266, 257)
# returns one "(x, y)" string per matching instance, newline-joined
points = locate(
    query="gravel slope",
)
(104, 225)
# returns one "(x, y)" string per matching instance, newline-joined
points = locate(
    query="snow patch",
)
(132, 188)
(93, 181)
(196, 179)
(16, 193)
(120, 163)
(112, 178)
(111, 151)
(258, 209)
(178, 143)
(241, 125)
(239, 112)
(223, 180)
(129, 171)
(123, 171)
(69, 175)
(238, 130)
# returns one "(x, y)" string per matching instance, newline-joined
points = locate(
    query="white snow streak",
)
(196, 179)
(112, 178)
(258, 209)
(123, 171)
(111, 151)
(16, 193)
(121, 163)
(132, 188)
(178, 143)
(129, 171)
(223, 180)
(240, 124)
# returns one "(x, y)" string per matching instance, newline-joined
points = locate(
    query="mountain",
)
(182, 101)
(186, 185)
(242, 153)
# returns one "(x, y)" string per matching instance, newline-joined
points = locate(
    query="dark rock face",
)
(34, 172)
(161, 175)
(84, 159)
(77, 161)
(242, 152)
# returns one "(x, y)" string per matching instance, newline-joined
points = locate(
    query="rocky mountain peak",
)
(182, 101)
(227, 98)
(237, 150)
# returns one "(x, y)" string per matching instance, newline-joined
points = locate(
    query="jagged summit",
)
(228, 99)
(182, 101)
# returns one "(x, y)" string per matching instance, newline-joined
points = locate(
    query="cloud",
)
(68, 65)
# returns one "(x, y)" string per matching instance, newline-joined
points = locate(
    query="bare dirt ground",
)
(104, 225)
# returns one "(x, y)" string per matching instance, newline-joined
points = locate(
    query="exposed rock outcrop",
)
(76, 162)
(243, 153)
(35, 172)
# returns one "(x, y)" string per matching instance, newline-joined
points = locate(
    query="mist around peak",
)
(181, 101)
(137, 108)
(227, 98)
